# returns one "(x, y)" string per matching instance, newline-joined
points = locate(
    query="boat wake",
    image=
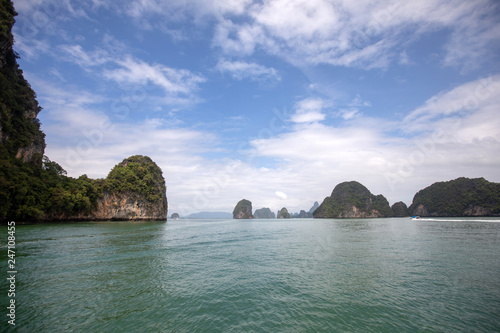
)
(457, 220)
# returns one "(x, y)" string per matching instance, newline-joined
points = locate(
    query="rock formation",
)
(301, 215)
(174, 216)
(243, 210)
(264, 213)
(313, 208)
(20, 133)
(283, 213)
(353, 200)
(134, 190)
(459, 197)
(399, 209)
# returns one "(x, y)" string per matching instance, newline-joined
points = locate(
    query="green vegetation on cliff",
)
(139, 175)
(351, 199)
(243, 210)
(459, 197)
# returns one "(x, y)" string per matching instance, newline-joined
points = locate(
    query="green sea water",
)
(298, 275)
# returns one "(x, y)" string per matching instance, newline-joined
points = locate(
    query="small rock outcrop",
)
(458, 197)
(243, 210)
(283, 213)
(174, 216)
(353, 200)
(264, 213)
(399, 209)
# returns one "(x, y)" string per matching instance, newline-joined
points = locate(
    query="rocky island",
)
(353, 200)
(283, 213)
(264, 213)
(459, 197)
(35, 189)
(243, 210)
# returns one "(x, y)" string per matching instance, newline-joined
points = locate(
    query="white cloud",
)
(347, 114)
(84, 59)
(361, 34)
(244, 70)
(173, 81)
(179, 85)
(473, 98)
(31, 48)
(309, 110)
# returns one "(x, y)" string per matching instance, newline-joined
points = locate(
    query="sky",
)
(274, 101)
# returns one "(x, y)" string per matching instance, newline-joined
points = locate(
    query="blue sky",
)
(275, 101)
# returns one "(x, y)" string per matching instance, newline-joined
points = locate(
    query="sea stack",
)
(243, 210)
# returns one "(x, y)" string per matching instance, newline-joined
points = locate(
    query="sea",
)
(223, 275)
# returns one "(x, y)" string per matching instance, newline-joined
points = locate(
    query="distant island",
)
(353, 200)
(264, 213)
(35, 189)
(283, 213)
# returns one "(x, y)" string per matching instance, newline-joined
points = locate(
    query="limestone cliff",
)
(353, 200)
(458, 197)
(243, 210)
(20, 134)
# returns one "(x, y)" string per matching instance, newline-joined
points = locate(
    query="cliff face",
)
(113, 206)
(243, 210)
(20, 134)
(459, 197)
(353, 200)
